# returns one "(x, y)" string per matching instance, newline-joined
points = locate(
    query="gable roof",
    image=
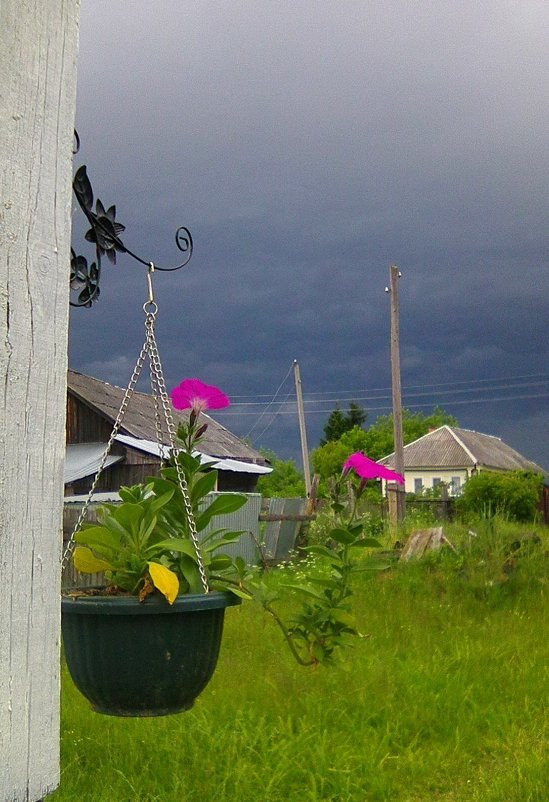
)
(451, 447)
(139, 420)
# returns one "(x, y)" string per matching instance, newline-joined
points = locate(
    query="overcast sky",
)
(307, 146)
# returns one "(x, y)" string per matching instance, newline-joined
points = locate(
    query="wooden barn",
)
(92, 408)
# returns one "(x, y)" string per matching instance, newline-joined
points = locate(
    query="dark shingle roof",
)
(452, 447)
(139, 419)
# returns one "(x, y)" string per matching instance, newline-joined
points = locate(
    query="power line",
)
(270, 402)
(434, 402)
(366, 398)
(544, 376)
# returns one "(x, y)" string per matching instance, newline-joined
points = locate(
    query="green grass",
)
(443, 700)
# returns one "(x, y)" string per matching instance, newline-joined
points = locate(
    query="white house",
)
(451, 455)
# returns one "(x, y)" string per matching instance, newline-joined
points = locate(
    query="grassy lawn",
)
(442, 700)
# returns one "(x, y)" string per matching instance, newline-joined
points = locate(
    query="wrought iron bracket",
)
(105, 233)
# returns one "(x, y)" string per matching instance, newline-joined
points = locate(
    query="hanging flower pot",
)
(142, 659)
(148, 643)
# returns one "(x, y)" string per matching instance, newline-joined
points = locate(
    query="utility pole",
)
(399, 508)
(302, 430)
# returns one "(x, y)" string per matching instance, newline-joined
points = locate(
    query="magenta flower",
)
(194, 394)
(366, 468)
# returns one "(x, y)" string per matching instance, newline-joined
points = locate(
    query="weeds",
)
(443, 701)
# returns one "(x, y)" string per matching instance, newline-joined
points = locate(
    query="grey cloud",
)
(307, 146)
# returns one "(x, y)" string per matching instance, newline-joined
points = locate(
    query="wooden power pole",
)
(302, 429)
(399, 506)
(38, 49)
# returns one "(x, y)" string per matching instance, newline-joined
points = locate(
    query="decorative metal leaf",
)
(83, 189)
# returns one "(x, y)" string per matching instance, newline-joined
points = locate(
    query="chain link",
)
(158, 386)
(156, 369)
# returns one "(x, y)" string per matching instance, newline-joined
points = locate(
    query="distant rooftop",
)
(453, 447)
(139, 420)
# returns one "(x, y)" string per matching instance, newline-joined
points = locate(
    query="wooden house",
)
(92, 408)
(451, 455)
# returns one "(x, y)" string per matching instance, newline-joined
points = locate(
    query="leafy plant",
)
(325, 619)
(513, 494)
(146, 542)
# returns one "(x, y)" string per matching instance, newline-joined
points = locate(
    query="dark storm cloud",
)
(307, 146)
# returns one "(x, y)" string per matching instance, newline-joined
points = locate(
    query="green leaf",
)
(324, 583)
(178, 544)
(189, 569)
(367, 543)
(129, 516)
(372, 566)
(343, 617)
(304, 589)
(221, 562)
(160, 501)
(204, 485)
(324, 551)
(242, 594)
(342, 536)
(356, 529)
(222, 505)
(240, 565)
(226, 540)
(98, 536)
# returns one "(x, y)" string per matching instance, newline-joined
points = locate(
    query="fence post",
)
(38, 47)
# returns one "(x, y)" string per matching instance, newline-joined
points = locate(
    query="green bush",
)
(514, 495)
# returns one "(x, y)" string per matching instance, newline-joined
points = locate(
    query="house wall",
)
(427, 476)
(84, 425)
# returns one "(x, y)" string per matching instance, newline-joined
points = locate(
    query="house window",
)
(418, 485)
(436, 481)
(456, 485)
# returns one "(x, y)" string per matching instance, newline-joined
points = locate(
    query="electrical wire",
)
(434, 402)
(352, 393)
(271, 401)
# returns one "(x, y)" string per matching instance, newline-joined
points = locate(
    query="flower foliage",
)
(198, 396)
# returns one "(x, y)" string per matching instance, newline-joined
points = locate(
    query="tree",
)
(340, 422)
(329, 458)
(377, 441)
(286, 481)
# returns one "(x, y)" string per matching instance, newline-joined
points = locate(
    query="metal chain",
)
(116, 428)
(156, 370)
(158, 386)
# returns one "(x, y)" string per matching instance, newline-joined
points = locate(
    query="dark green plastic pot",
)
(143, 659)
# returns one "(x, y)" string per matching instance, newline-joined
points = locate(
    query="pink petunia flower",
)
(194, 394)
(366, 468)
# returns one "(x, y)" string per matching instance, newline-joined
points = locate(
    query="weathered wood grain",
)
(38, 47)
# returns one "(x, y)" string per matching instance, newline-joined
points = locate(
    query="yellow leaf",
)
(86, 562)
(165, 580)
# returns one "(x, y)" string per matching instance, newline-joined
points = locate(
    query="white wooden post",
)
(38, 49)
